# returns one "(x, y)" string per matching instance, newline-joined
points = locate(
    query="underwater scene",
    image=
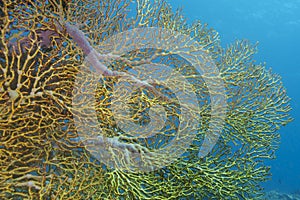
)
(275, 25)
(149, 99)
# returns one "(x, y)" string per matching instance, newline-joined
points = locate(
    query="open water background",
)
(276, 25)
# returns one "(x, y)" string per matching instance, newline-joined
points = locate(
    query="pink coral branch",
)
(79, 37)
(93, 58)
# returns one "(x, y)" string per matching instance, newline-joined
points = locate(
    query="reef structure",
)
(44, 157)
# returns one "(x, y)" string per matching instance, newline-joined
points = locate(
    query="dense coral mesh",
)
(40, 153)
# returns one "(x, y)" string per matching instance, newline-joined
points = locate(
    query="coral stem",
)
(79, 37)
(93, 58)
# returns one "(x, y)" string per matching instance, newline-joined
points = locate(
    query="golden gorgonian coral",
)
(43, 69)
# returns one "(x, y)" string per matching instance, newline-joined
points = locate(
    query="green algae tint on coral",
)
(43, 156)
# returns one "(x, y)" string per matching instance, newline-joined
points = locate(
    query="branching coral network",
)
(94, 57)
(44, 46)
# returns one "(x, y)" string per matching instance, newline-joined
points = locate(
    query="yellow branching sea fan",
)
(104, 100)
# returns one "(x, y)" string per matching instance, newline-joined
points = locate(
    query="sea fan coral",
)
(43, 69)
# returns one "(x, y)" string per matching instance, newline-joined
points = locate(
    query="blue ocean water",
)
(275, 24)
